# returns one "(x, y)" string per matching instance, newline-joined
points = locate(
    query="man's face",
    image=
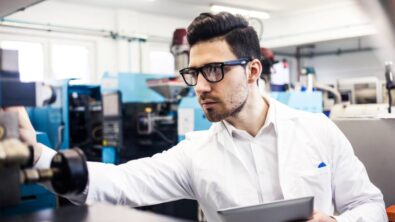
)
(225, 98)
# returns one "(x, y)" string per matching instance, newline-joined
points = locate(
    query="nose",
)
(202, 85)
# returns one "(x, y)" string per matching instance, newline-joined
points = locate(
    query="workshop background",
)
(113, 66)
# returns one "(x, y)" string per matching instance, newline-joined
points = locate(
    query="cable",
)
(60, 136)
(163, 136)
(389, 101)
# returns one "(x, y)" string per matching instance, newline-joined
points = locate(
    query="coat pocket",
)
(318, 183)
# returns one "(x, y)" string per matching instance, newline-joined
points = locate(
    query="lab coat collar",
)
(270, 120)
(281, 114)
(285, 128)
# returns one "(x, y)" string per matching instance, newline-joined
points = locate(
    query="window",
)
(30, 57)
(161, 62)
(70, 61)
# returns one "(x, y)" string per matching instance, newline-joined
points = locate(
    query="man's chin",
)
(214, 117)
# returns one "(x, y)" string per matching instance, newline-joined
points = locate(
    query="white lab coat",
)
(206, 167)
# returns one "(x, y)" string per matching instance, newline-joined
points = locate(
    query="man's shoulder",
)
(196, 140)
(285, 112)
(201, 136)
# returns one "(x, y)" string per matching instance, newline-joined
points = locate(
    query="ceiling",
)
(188, 9)
(339, 46)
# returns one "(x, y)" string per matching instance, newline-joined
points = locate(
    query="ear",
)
(254, 70)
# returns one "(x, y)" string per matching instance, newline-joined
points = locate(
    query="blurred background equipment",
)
(389, 83)
(132, 114)
(85, 119)
(140, 119)
(73, 120)
(180, 49)
(68, 172)
(361, 90)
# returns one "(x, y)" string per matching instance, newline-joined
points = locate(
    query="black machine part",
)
(13, 92)
(70, 172)
(390, 83)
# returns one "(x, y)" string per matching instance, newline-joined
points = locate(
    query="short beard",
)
(216, 117)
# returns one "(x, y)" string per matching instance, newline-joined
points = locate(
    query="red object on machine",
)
(179, 37)
(180, 48)
(391, 213)
(267, 53)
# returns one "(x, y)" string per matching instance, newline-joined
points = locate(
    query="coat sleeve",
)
(147, 181)
(355, 197)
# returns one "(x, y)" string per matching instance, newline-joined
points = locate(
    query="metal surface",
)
(8, 7)
(169, 88)
(133, 86)
(373, 141)
(306, 101)
(9, 186)
(190, 117)
(95, 213)
(32, 197)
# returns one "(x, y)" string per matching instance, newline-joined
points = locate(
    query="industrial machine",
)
(361, 90)
(85, 120)
(73, 120)
(180, 48)
(68, 171)
(306, 101)
(389, 84)
(140, 119)
(370, 129)
(137, 121)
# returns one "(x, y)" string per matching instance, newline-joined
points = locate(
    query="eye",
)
(213, 72)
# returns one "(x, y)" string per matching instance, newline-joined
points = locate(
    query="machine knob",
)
(70, 172)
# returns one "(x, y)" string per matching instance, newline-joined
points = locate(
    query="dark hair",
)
(242, 39)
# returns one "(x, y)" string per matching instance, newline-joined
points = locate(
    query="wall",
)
(344, 19)
(311, 25)
(361, 64)
(109, 55)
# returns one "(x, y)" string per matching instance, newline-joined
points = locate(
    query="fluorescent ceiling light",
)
(244, 12)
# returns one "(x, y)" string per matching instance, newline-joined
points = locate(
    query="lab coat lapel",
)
(226, 141)
(285, 139)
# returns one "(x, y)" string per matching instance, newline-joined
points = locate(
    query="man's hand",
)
(320, 217)
(26, 131)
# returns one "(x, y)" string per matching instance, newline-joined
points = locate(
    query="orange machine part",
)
(391, 213)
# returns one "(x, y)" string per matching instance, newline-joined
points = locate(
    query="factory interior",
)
(101, 85)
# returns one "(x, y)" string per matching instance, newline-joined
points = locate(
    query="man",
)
(256, 151)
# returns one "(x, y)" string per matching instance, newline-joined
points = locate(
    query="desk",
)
(373, 141)
(94, 213)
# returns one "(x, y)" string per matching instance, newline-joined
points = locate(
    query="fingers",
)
(23, 117)
(27, 136)
(314, 217)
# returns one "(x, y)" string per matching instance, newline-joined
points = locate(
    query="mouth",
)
(208, 104)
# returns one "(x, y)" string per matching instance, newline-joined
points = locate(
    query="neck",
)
(253, 115)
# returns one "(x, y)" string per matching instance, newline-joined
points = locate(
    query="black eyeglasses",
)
(212, 72)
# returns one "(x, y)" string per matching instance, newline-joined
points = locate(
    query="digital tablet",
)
(299, 209)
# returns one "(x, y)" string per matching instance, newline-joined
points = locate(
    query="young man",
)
(256, 151)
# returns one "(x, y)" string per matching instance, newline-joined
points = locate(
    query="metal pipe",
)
(27, 25)
(327, 53)
(332, 90)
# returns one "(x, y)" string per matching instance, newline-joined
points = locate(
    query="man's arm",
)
(355, 197)
(147, 181)
(161, 178)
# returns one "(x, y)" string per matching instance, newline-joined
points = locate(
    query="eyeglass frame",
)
(236, 62)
